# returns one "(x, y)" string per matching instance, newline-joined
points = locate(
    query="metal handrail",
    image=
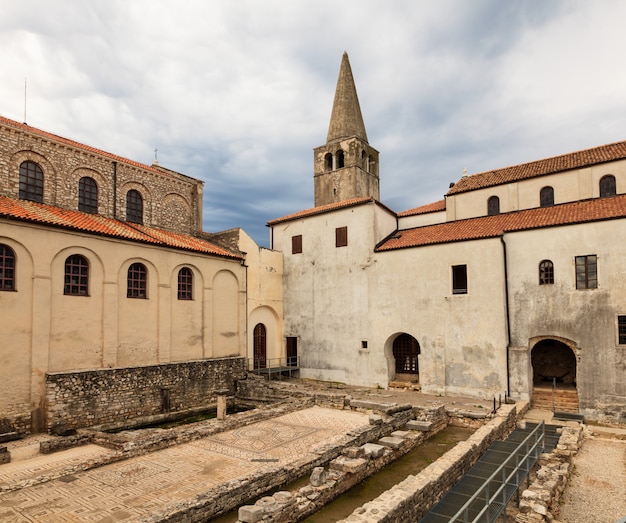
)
(273, 363)
(489, 500)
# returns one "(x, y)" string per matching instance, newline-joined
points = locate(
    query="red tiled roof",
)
(439, 205)
(27, 128)
(24, 210)
(576, 160)
(495, 226)
(322, 209)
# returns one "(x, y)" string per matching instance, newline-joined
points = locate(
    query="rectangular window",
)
(621, 330)
(341, 236)
(586, 272)
(459, 279)
(296, 244)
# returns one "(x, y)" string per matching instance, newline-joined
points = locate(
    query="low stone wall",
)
(98, 397)
(410, 499)
(540, 500)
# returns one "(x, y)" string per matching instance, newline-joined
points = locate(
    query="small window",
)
(185, 284)
(546, 197)
(459, 279)
(493, 206)
(621, 330)
(546, 272)
(586, 272)
(137, 281)
(87, 195)
(364, 344)
(341, 236)
(339, 159)
(76, 281)
(7, 268)
(607, 186)
(31, 182)
(134, 207)
(296, 244)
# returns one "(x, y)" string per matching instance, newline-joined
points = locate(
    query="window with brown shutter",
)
(341, 236)
(296, 244)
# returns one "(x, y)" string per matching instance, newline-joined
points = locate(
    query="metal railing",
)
(279, 366)
(524, 457)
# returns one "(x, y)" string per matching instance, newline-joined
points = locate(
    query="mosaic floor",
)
(139, 487)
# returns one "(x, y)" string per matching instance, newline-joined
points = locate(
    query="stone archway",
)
(554, 375)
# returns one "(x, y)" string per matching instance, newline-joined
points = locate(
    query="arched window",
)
(339, 158)
(134, 206)
(7, 268)
(185, 284)
(607, 186)
(546, 272)
(260, 346)
(31, 182)
(546, 197)
(328, 162)
(76, 276)
(87, 195)
(493, 206)
(137, 281)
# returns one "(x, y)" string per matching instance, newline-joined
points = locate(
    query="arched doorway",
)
(554, 376)
(260, 346)
(406, 350)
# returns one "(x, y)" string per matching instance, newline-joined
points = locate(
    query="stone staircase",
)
(565, 400)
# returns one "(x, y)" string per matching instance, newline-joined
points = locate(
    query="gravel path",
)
(596, 492)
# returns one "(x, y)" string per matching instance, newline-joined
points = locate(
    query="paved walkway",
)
(139, 487)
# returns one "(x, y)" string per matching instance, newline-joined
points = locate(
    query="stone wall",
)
(171, 200)
(100, 397)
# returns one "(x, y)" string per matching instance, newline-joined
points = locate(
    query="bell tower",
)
(347, 166)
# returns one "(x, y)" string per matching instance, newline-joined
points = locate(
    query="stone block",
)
(283, 496)
(268, 503)
(348, 465)
(400, 433)
(422, 426)
(375, 419)
(318, 477)
(373, 451)
(250, 513)
(369, 405)
(392, 442)
(353, 452)
(5, 456)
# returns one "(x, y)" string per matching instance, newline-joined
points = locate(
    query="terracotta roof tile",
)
(439, 205)
(494, 226)
(24, 210)
(322, 209)
(66, 141)
(575, 160)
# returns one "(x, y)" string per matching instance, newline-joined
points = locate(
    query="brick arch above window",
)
(49, 172)
(146, 196)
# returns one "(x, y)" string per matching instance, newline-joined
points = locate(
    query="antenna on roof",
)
(24, 99)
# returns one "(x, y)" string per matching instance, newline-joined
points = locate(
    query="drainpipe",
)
(508, 316)
(115, 190)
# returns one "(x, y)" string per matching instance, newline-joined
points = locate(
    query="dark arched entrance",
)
(554, 376)
(406, 350)
(260, 346)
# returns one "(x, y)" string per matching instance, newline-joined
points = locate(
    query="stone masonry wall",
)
(100, 397)
(171, 200)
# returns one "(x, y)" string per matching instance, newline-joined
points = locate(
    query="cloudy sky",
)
(239, 92)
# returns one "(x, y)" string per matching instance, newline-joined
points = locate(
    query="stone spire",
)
(346, 120)
(346, 166)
